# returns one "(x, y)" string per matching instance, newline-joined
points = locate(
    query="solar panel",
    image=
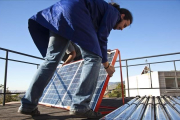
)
(60, 89)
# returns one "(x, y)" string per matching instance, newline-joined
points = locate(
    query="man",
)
(73, 53)
(87, 23)
(145, 70)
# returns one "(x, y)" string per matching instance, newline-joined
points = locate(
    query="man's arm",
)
(109, 20)
(71, 52)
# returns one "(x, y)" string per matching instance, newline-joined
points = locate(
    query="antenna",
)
(146, 60)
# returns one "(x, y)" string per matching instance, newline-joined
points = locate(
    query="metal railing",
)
(6, 67)
(126, 66)
(127, 75)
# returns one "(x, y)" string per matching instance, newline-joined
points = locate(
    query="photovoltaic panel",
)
(59, 91)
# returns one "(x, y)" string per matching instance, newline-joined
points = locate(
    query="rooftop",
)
(9, 111)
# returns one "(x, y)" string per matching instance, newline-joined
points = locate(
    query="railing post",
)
(175, 75)
(127, 78)
(150, 75)
(5, 79)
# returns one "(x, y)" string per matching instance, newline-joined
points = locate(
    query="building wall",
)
(162, 82)
(158, 81)
(143, 81)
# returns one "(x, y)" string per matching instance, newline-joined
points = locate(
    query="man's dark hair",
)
(128, 15)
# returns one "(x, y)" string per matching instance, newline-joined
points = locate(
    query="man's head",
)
(126, 17)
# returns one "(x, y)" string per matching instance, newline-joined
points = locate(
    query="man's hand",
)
(63, 64)
(70, 58)
(109, 68)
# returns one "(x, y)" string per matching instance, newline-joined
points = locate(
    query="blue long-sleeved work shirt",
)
(84, 22)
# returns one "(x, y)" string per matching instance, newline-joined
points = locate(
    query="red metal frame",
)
(106, 83)
(109, 107)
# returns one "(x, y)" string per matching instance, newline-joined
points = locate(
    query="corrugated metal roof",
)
(148, 108)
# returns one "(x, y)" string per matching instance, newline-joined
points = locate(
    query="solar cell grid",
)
(60, 90)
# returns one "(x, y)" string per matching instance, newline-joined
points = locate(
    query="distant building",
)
(169, 81)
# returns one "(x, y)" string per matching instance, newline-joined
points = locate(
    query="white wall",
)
(143, 81)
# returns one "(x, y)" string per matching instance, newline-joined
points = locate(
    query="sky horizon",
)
(155, 30)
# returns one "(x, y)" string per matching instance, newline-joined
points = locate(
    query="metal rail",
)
(126, 60)
(6, 68)
(127, 66)
(151, 56)
(12, 51)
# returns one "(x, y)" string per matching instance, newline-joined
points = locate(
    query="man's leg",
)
(87, 85)
(55, 52)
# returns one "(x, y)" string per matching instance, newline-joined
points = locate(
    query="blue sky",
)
(155, 30)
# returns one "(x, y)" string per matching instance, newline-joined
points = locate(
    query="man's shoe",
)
(86, 114)
(35, 112)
